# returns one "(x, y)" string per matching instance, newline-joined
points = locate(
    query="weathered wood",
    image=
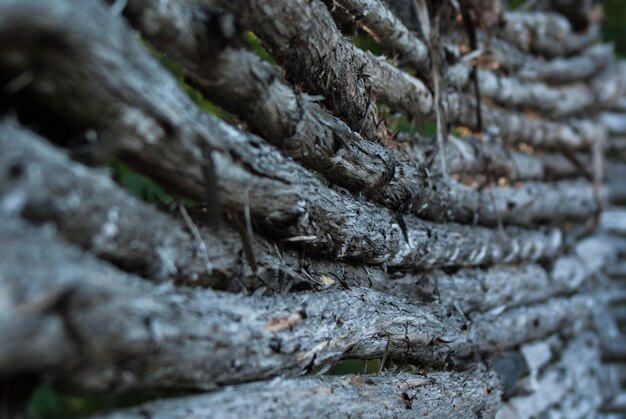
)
(432, 395)
(548, 34)
(371, 278)
(388, 84)
(43, 185)
(240, 82)
(610, 85)
(615, 122)
(558, 390)
(559, 70)
(87, 317)
(475, 156)
(316, 44)
(233, 76)
(508, 91)
(161, 129)
(85, 314)
(515, 128)
(506, 287)
(377, 19)
(555, 69)
(397, 184)
(613, 220)
(512, 92)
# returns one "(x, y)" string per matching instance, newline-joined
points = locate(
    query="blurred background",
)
(615, 24)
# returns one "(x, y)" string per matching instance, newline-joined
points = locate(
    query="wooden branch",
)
(388, 84)
(318, 57)
(473, 290)
(101, 330)
(558, 390)
(406, 11)
(610, 85)
(43, 185)
(432, 395)
(70, 318)
(613, 220)
(161, 129)
(470, 155)
(615, 185)
(615, 123)
(547, 34)
(559, 70)
(240, 82)
(243, 84)
(87, 317)
(513, 92)
(508, 91)
(515, 128)
(345, 157)
(377, 19)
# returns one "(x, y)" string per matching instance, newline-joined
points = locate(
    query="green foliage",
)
(139, 185)
(255, 45)
(178, 71)
(367, 43)
(401, 124)
(614, 26)
(513, 4)
(49, 403)
(356, 366)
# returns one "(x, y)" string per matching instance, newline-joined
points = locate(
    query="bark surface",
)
(434, 395)
(82, 318)
(309, 216)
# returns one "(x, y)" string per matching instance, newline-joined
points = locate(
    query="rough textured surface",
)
(464, 395)
(81, 317)
(389, 85)
(508, 91)
(161, 129)
(479, 265)
(46, 187)
(556, 391)
(305, 132)
(242, 83)
(556, 71)
(548, 34)
(318, 57)
(377, 19)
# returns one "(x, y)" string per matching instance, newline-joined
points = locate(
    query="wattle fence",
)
(294, 186)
